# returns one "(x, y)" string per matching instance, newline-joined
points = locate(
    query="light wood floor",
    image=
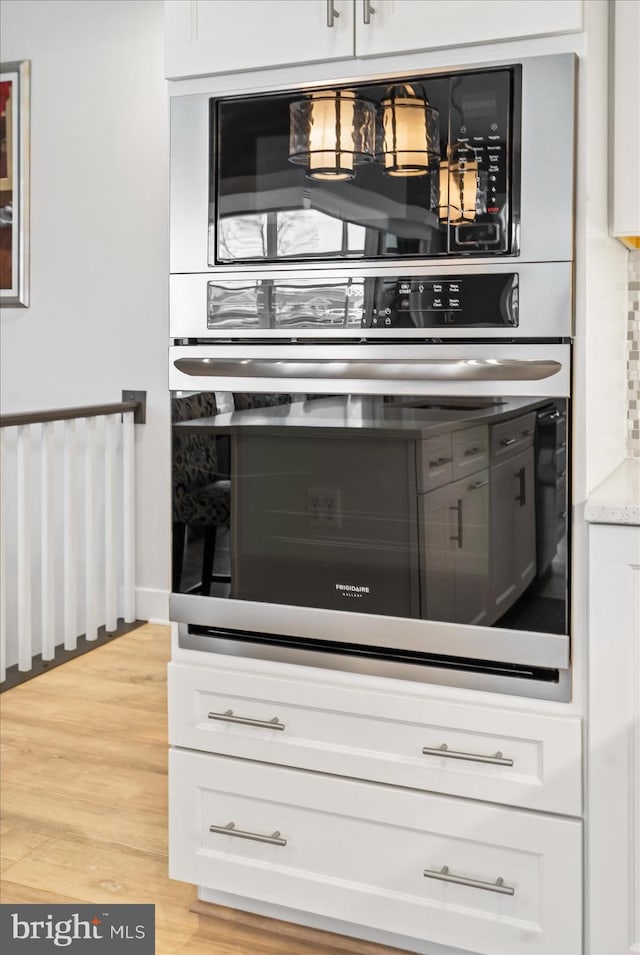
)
(84, 803)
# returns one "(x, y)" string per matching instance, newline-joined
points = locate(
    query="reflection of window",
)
(301, 232)
(243, 237)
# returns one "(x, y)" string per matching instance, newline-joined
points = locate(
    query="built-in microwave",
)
(473, 164)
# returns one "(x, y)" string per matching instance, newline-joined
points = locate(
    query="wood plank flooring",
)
(84, 803)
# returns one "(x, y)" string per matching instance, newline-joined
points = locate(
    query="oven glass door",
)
(409, 522)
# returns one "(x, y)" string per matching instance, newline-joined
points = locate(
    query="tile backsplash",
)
(633, 355)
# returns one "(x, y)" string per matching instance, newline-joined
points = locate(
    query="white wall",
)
(99, 249)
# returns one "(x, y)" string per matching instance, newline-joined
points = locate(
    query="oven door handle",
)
(424, 369)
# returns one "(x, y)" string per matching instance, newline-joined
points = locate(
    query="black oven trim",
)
(488, 667)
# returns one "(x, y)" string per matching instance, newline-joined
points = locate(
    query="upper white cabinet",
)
(221, 36)
(397, 26)
(625, 217)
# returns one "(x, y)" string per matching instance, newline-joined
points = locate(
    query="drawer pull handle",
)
(527, 432)
(497, 760)
(229, 717)
(508, 441)
(470, 452)
(443, 875)
(275, 839)
(439, 462)
(478, 484)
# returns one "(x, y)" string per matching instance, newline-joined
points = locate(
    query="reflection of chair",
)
(201, 488)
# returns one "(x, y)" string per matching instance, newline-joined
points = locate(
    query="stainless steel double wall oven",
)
(370, 365)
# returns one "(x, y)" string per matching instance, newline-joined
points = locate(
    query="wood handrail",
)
(64, 414)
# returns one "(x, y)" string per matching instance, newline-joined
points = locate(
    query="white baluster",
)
(110, 501)
(70, 538)
(128, 500)
(25, 653)
(3, 563)
(90, 565)
(47, 543)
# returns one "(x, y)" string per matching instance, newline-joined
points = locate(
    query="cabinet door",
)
(613, 903)
(524, 521)
(455, 551)
(222, 36)
(471, 550)
(513, 531)
(437, 565)
(625, 217)
(395, 26)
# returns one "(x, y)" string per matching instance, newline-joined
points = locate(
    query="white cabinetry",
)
(331, 796)
(625, 217)
(403, 25)
(283, 715)
(613, 903)
(464, 874)
(221, 36)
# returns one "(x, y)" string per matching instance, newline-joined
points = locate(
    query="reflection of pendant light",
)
(409, 137)
(458, 189)
(330, 133)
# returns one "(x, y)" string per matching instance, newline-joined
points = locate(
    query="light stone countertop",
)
(617, 499)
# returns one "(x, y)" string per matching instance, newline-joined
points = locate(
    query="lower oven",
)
(389, 509)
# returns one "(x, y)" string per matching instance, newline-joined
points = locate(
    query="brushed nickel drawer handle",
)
(478, 484)
(508, 441)
(275, 839)
(367, 10)
(497, 760)
(443, 875)
(229, 717)
(527, 432)
(439, 462)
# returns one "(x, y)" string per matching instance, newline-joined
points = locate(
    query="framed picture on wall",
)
(14, 183)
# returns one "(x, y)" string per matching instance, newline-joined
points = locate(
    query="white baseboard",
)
(152, 605)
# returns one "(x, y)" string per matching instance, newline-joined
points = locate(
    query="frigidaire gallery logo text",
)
(79, 928)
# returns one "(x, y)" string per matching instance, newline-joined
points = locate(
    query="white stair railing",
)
(67, 529)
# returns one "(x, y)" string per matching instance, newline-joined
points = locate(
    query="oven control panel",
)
(381, 302)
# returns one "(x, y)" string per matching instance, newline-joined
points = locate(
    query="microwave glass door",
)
(445, 509)
(266, 208)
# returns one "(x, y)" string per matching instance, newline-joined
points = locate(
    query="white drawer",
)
(350, 731)
(359, 852)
